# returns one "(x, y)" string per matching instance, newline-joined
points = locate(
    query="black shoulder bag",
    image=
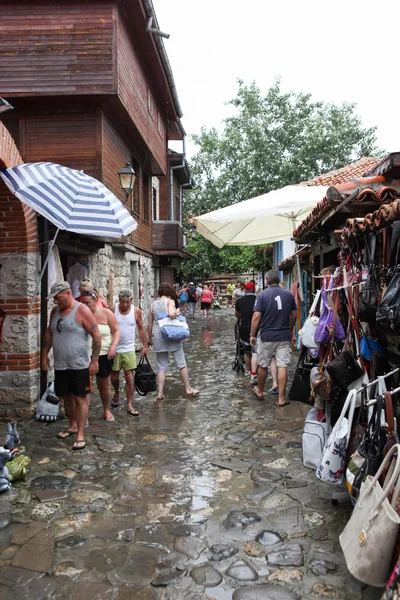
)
(145, 378)
(300, 389)
(370, 292)
(388, 313)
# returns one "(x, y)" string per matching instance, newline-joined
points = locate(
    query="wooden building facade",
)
(92, 89)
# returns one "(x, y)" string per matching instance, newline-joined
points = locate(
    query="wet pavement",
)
(195, 499)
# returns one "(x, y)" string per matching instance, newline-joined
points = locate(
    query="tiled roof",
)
(385, 215)
(347, 173)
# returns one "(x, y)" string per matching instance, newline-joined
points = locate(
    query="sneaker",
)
(247, 373)
(254, 380)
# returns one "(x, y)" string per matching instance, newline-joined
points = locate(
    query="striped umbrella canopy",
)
(70, 199)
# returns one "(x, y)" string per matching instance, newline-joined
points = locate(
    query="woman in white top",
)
(109, 332)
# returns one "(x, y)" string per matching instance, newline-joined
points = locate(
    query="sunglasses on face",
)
(60, 320)
(89, 293)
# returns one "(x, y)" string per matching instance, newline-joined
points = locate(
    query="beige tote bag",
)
(369, 537)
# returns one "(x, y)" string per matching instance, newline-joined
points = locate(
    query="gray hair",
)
(273, 277)
(125, 294)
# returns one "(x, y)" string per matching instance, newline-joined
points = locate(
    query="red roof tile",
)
(356, 169)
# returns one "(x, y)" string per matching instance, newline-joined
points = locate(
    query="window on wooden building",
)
(156, 198)
(146, 198)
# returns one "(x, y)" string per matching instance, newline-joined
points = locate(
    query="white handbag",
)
(309, 328)
(331, 466)
(369, 537)
(314, 437)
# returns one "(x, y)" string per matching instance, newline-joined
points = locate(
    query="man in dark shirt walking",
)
(275, 314)
(244, 313)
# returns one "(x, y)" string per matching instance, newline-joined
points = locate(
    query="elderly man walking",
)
(71, 324)
(129, 318)
(275, 314)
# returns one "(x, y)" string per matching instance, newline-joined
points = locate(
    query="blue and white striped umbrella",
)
(70, 199)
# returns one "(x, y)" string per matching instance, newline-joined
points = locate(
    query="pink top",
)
(206, 296)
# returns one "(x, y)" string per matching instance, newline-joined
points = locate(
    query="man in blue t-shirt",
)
(275, 314)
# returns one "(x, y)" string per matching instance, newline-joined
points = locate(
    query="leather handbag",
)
(332, 464)
(329, 326)
(369, 455)
(300, 389)
(145, 378)
(369, 537)
(370, 293)
(344, 369)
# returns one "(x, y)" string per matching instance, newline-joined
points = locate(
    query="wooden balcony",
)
(167, 235)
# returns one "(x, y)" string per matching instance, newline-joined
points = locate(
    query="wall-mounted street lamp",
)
(5, 106)
(127, 178)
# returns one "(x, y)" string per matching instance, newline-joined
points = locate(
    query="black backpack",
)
(145, 378)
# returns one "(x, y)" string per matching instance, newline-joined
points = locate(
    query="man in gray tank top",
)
(71, 324)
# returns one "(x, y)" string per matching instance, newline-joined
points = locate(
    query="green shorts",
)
(125, 361)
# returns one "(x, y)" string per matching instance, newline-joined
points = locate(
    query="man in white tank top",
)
(129, 318)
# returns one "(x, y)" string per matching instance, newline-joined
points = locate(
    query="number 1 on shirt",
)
(279, 302)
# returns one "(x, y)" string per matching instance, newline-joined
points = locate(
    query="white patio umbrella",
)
(70, 199)
(262, 220)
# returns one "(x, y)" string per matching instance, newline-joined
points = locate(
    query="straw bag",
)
(369, 537)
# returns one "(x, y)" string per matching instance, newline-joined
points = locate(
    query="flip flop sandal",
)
(282, 405)
(80, 447)
(273, 391)
(114, 403)
(193, 394)
(63, 435)
(253, 391)
(133, 412)
(109, 418)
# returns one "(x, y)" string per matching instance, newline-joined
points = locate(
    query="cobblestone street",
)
(195, 499)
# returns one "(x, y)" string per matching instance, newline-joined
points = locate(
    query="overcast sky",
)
(337, 51)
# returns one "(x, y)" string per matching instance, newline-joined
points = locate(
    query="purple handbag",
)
(327, 321)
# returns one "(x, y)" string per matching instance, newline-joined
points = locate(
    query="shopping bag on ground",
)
(145, 378)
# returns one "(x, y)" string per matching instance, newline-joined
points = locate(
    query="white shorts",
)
(266, 350)
(162, 359)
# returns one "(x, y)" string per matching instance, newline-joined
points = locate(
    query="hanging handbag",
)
(145, 378)
(392, 590)
(344, 369)
(307, 332)
(388, 313)
(329, 326)
(369, 296)
(369, 537)
(314, 437)
(368, 457)
(331, 467)
(368, 347)
(300, 389)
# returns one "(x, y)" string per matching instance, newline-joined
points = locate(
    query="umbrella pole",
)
(297, 258)
(51, 245)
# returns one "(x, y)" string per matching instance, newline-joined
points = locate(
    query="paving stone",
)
(22, 532)
(222, 552)
(186, 529)
(206, 575)
(190, 546)
(50, 482)
(289, 555)
(313, 519)
(242, 519)
(70, 542)
(167, 577)
(238, 465)
(44, 511)
(295, 483)
(9, 553)
(263, 592)
(277, 501)
(294, 445)
(259, 495)
(290, 426)
(182, 593)
(319, 533)
(286, 576)
(242, 571)
(253, 549)
(268, 538)
(280, 463)
(265, 476)
(36, 553)
(238, 436)
(285, 520)
(324, 590)
(50, 495)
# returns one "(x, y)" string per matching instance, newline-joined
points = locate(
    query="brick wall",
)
(20, 260)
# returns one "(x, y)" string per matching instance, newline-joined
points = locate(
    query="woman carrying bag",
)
(162, 346)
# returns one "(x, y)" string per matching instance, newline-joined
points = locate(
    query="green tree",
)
(272, 140)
